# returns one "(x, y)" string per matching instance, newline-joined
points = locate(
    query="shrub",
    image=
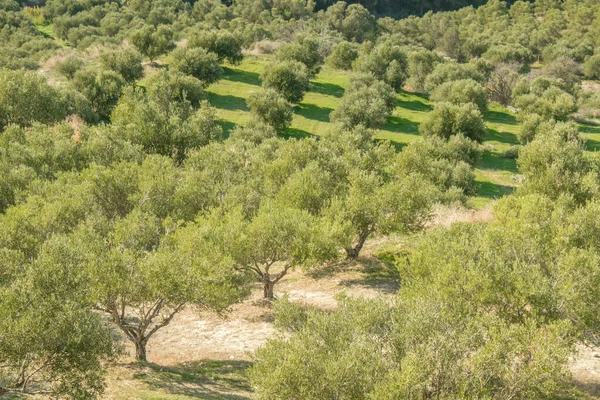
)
(153, 42)
(591, 68)
(271, 108)
(126, 62)
(289, 78)
(304, 49)
(342, 55)
(447, 120)
(69, 66)
(102, 89)
(197, 62)
(224, 44)
(452, 72)
(366, 102)
(461, 92)
(386, 62)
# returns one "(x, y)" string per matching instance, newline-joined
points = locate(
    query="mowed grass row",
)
(494, 173)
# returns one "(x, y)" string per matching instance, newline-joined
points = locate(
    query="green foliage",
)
(304, 49)
(553, 164)
(342, 55)
(69, 66)
(102, 89)
(197, 62)
(447, 120)
(271, 108)
(353, 21)
(386, 62)
(366, 102)
(153, 41)
(163, 121)
(289, 78)
(447, 72)
(224, 44)
(591, 68)
(461, 92)
(421, 63)
(26, 98)
(127, 62)
(544, 96)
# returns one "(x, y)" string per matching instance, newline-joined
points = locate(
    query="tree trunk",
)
(353, 252)
(140, 350)
(268, 287)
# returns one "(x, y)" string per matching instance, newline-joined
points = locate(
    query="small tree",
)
(358, 24)
(127, 62)
(223, 43)
(142, 283)
(271, 108)
(461, 92)
(276, 239)
(342, 55)
(591, 68)
(198, 63)
(366, 102)
(420, 64)
(373, 204)
(447, 120)
(69, 66)
(153, 41)
(386, 62)
(289, 78)
(502, 82)
(102, 89)
(304, 49)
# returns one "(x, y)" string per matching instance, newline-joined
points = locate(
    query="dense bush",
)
(461, 92)
(102, 89)
(224, 44)
(304, 49)
(153, 41)
(591, 67)
(289, 78)
(342, 55)
(197, 62)
(366, 102)
(127, 62)
(69, 66)
(447, 120)
(271, 108)
(386, 62)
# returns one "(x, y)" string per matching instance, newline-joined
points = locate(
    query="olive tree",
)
(271, 108)
(447, 120)
(102, 89)
(591, 68)
(304, 49)
(366, 102)
(461, 92)
(272, 243)
(153, 41)
(342, 55)
(51, 342)
(197, 62)
(163, 121)
(376, 204)
(226, 45)
(127, 62)
(289, 78)
(387, 62)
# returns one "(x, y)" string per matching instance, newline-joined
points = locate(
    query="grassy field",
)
(312, 118)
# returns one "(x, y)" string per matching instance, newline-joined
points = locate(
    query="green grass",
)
(311, 117)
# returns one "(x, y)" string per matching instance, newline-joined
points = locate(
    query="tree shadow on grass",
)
(328, 89)
(401, 125)
(227, 102)
(311, 111)
(494, 161)
(227, 127)
(491, 190)
(296, 133)
(502, 137)
(414, 105)
(205, 379)
(239, 75)
(498, 117)
(592, 145)
(397, 145)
